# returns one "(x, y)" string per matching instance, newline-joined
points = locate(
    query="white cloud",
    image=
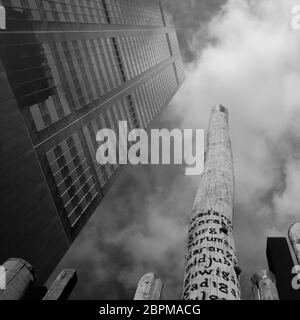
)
(251, 66)
(287, 203)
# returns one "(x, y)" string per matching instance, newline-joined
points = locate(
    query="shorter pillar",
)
(62, 286)
(294, 236)
(149, 288)
(264, 286)
(19, 278)
(2, 18)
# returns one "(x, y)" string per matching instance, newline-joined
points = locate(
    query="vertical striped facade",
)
(72, 68)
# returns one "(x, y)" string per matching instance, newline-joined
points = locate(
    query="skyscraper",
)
(211, 269)
(67, 69)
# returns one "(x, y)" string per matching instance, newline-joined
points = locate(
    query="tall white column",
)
(211, 269)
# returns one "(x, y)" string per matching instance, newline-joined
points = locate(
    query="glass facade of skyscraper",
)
(69, 68)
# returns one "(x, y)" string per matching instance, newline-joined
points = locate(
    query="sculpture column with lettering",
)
(211, 269)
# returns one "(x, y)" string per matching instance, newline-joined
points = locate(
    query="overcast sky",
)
(247, 58)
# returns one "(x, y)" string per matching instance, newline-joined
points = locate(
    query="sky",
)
(244, 55)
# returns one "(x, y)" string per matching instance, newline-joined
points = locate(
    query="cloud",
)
(139, 227)
(247, 58)
(251, 65)
(287, 202)
(192, 16)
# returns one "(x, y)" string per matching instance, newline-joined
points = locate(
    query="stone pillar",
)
(149, 288)
(63, 286)
(294, 236)
(19, 279)
(211, 268)
(264, 286)
(2, 18)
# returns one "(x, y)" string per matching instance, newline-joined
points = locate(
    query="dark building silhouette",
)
(68, 69)
(281, 264)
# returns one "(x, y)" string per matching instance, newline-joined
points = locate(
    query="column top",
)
(263, 274)
(220, 108)
(294, 231)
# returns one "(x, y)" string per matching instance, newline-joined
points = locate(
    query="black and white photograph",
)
(149, 154)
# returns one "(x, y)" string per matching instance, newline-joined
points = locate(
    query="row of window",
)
(138, 109)
(85, 70)
(134, 12)
(180, 70)
(88, 11)
(174, 42)
(108, 119)
(128, 12)
(29, 72)
(68, 161)
(143, 51)
(73, 178)
(82, 71)
(22, 9)
(153, 94)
